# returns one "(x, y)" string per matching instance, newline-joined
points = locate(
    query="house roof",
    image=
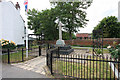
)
(82, 35)
(15, 8)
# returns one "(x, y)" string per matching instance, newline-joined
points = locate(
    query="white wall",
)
(119, 11)
(0, 20)
(11, 23)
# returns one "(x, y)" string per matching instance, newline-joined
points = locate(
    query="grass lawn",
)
(76, 69)
(90, 49)
(15, 57)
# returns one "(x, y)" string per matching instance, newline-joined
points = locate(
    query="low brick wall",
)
(106, 41)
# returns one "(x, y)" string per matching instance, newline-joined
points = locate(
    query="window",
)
(85, 37)
(80, 37)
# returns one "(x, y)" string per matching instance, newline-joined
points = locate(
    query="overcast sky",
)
(95, 13)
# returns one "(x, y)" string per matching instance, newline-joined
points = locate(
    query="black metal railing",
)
(82, 66)
(50, 54)
(14, 56)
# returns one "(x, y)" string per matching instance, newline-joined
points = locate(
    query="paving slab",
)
(35, 65)
(10, 71)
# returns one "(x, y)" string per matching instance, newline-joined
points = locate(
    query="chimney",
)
(17, 6)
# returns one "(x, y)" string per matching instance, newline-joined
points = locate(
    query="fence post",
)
(51, 62)
(22, 55)
(58, 52)
(48, 46)
(118, 59)
(47, 58)
(39, 51)
(8, 56)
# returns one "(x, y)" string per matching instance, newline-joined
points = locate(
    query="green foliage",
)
(7, 45)
(43, 22)
(72, 15)
(98, 51)
(73, 36)
(115, 51)
(110, 27)
(65, 36)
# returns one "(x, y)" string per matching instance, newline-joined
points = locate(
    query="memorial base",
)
(60, 42)
(65, 50)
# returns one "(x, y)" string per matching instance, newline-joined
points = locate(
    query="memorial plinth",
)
(63, 49)
(60, 42)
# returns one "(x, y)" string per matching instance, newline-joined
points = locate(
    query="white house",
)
(11, 23)
(119, 11)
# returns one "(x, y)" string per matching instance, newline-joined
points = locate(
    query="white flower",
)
(116, 50)
(109, 47)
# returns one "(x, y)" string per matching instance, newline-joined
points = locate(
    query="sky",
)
(95, 13)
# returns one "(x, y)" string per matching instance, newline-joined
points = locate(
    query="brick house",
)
(83, 36)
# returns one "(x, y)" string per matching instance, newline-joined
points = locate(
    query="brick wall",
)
(106, 41)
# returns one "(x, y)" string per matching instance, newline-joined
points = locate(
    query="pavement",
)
(35, 65)
(29, 69)
(9, 71)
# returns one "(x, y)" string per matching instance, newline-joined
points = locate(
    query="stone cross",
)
(60, 30)
(60, 42)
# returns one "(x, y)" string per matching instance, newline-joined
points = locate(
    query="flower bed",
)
(6, 44)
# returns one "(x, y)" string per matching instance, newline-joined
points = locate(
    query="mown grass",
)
(16, 57)
(89, 69)
(90, 49)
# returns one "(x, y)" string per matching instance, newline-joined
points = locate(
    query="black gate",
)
(82, 66)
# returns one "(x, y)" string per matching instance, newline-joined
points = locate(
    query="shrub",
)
(98, 51)
(6, 44)
(114, 50)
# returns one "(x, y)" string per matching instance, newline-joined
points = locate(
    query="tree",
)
(43, 22)
(72, 15)
(110, 27)
(65, 36)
